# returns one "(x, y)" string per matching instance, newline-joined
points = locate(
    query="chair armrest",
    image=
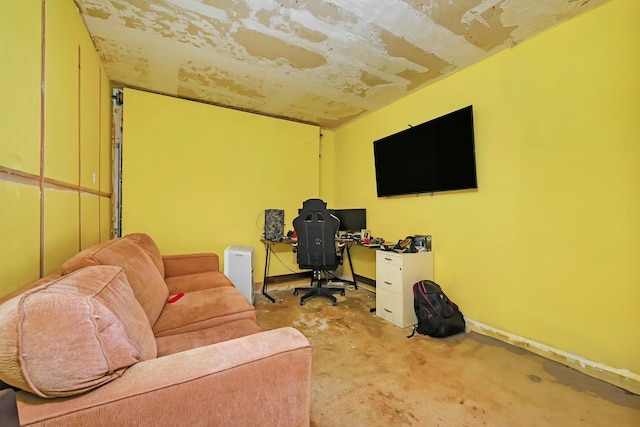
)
(260, 379)
(180, 265)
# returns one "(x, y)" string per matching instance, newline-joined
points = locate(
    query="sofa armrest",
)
(181, 265)
(260, 379)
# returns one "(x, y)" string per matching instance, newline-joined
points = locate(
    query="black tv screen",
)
(438, 155)
(353, 220)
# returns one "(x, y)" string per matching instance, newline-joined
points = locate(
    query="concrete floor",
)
(367, 373)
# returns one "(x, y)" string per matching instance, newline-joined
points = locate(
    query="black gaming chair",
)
(316, 229)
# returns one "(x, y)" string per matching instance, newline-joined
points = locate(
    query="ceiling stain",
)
(235, 9)
(329, 108)
(137, 66)
(265, 46)
(398, 47)
(371, 80)
(187, 92)
(310, 35)
(324, 62)
(326, 10)
(478, 22)
(97, 13)
(418, 79)
(207, 77)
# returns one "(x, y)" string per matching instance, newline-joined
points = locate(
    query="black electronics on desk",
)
(273, 224)
(351, 220)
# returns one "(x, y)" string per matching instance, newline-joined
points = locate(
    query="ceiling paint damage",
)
(313, 61)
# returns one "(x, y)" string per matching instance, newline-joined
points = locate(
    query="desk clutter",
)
(349, 220)
(410, 244)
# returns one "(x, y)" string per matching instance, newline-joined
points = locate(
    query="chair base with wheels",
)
(319, 290)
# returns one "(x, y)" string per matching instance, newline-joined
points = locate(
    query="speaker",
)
(273, 224)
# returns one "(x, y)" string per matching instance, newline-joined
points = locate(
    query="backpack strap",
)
(415, 328)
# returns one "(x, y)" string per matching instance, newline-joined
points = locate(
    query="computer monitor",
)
(351, 220)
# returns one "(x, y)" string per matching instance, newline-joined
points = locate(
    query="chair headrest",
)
(314, 204)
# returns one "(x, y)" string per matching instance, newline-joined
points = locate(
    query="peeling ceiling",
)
(324, 62)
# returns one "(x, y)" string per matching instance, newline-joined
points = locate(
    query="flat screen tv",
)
(438, 155)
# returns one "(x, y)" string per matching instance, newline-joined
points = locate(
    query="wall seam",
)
(99, 180)
(79, 114)
(42, 128)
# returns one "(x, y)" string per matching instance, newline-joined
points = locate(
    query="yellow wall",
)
(327, 166)
(20, 228)
(20, 53)
(48, 214)
(547, 248)
(198, 177)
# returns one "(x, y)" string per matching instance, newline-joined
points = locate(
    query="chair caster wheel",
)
(295, 292)
(301, 302)
(342, 293)
(335, 303)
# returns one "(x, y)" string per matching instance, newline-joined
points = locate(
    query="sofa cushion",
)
(223, 332)
(181, 265)
(146, 282)
(197, 281)
(203, 309)
(149, 246)
(73, 334)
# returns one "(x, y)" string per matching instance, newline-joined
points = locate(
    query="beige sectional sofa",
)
(106, 343)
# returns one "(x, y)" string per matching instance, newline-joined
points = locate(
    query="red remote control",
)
(176, 298)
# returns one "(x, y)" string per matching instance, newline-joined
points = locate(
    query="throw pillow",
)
(73, 334)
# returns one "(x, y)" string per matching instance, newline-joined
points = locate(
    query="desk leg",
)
(267, 247)
(353, 274)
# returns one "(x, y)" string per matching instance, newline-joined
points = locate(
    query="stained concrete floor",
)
(367, 373)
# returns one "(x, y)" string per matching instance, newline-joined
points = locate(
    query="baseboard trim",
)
(365, 280)
(622, 378)
(274, 280)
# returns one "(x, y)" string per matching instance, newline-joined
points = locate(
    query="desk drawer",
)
(389, 277)
(389, 306)
(388, 258)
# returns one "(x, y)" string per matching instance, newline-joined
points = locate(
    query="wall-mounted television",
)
(437, 155)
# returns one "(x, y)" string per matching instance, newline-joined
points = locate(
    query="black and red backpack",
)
(437, 315)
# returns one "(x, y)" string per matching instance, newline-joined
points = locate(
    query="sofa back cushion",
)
(149, 246)
(146, 282)
(73, 334)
